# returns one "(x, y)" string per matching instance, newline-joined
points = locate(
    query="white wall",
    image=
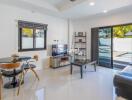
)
(86, 24)
(57, 30)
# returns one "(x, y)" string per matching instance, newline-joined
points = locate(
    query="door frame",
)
(111, 26)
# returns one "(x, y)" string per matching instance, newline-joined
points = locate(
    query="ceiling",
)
(68, 9)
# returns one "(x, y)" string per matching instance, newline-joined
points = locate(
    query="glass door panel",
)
(122, 46)
(105, 47)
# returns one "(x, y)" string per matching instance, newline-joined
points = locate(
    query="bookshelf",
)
(80, 45)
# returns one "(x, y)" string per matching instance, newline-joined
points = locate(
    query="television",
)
(59, 49)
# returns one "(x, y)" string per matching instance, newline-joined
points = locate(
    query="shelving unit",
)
(80, 45)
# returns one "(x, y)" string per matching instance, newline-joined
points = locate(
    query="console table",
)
(59, 61)
(81, 64)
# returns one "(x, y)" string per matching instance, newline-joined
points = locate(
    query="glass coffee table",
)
(81, 64)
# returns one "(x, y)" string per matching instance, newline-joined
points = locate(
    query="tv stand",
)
(59, 61)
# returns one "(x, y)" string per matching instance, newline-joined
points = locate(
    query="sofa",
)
(123, 83)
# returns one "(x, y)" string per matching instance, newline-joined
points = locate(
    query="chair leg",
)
(1, 80)
(25, 71)
(1, 84)
(35, 73)
(23, 75)
(20, 83)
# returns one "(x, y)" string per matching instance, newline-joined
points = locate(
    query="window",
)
(32, 36)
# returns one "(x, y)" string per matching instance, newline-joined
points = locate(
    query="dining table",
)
(22, 59)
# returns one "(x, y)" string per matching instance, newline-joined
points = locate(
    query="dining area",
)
(13, 70)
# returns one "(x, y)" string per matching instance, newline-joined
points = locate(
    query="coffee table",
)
(81, 64)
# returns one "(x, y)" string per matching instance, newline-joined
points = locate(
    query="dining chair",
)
(11, 70)
(1, 83)
(29, 65)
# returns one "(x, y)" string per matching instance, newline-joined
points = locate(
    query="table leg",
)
(85, 66)
(81, 71)
(95, 67)
(71, 68)
(14, 82)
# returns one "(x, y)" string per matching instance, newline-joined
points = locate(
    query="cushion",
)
(26, 66)
(10, 73)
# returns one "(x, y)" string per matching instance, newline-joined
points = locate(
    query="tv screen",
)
(59, 49)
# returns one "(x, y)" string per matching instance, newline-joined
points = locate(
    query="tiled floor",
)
(58, 84)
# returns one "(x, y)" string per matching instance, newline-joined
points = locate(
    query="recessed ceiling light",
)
(105, 11)
(91, 3)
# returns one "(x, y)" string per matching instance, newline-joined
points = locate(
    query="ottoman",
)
(123, 83)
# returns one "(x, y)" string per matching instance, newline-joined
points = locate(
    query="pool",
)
(127, 55)
(124, 58)
(120, 59)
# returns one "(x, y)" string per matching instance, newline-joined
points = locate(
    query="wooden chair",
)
(1, 84)
(30, 66)
(9, 70)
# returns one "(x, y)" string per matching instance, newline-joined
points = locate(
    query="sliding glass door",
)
(122, 46)
(112, 46)
(105, 47)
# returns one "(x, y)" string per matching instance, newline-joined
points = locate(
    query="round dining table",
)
(15, 82)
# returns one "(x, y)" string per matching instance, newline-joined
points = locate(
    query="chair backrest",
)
(36, 57)
(9, 65)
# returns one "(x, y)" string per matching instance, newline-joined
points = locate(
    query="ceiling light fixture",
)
(91, 3)
(105, 11)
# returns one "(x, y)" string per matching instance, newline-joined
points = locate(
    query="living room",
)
(61, 22)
